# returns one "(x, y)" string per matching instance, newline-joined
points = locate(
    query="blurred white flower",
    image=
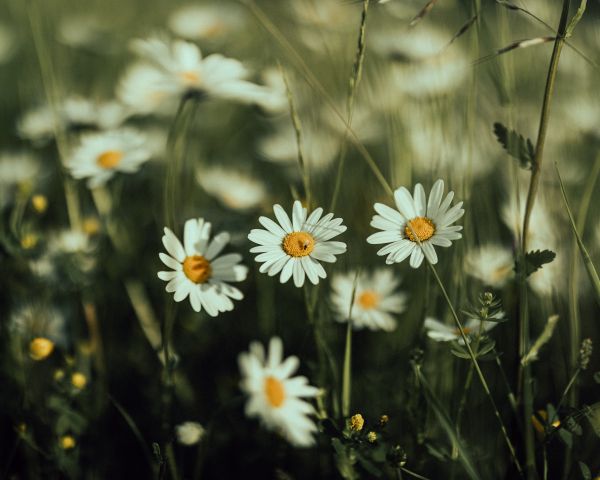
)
(233, 189)
(39, 320)
(542, 235)
(16, 169)
(100, 155)
(198, 272)
(37, 125)
(422, 66)
(85, 30)
(375, 300)
(319, 147)
(277, 102)
(491, 264)
(69, 241)
(174, 69)
(295, 247)
(440, 332)
(274, 396)
(206, 22)
(431, 222)
(189, 433)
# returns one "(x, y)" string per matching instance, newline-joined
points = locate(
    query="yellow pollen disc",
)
(214, 30)
(298, 244)
(197, 268)
(368, 299)
(190, 78)
(274, 391)
(465, 329)
(423, 227)
(110, 158)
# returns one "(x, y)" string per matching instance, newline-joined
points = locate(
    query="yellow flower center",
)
(40, 348)
(197, 268)
(298, 244)
(422, 227)
(368, 299)
(467, 331)
(214, 30)
(190, 78)
(274, 391)
(109, 159)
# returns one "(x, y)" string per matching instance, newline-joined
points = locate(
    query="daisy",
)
(440, 332)
(176, 68)
(100, 155)
(273, 396)
(375, 299)
(232, 188)
(417, 221)
(206, 22)
(295, 247)
(491, 264)
(189, 433)
(198, 271)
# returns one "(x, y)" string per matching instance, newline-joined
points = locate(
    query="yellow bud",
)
(91, 226)
(40, 203)
(59, 375)
(78, 380)
(28, 241)
(356, 422)
(40, 348)
(383, 420)
(67, 442)
(22, 428)
(371, 437)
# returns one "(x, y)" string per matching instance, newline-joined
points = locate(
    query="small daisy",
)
(198, 271)
(232, 188)
(189, 433)
(440, 332)
(100, 155)
(180, 69)
(416, 220)
(207, 22)
(491, 264)
(375, 299)
(295, 247)
(274, 396)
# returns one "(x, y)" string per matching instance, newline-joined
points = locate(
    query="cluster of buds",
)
(585, 353)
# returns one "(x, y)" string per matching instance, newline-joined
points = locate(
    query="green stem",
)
(482, 379)
(525, 376)
(347, 377)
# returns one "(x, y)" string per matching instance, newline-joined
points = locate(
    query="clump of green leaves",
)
(533, 261)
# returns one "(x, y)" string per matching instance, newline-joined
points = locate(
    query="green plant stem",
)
(564, 394)
(482, 379)
(352, 87)
(525, 370)
(347, 373)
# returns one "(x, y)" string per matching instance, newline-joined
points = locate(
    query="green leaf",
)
(573, 426)
(597, 377)
(566, 437)
(585, 471)
(516, 145)
(592, 413)
(534, 261)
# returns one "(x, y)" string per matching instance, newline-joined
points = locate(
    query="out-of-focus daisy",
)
(100, 155)
(189, 433)
(206, 22)
(416, 220)
(39, 320)
(274, 396)
(375, 299)
(295, 247)
(198, 272)
(174, 69)
(232, 188)
(320, 148)
(491, 264)
(16, 169)
(542, 235)
(440, 332)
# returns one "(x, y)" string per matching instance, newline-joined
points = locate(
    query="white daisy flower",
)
(198, 271)
(440, 332)
(180, 69)
(276, 398)
(100, 155)
(206, 22)
(295, 247)
(16, 169)
(375, 299)
(491, 264)
(189, 433)
(232, 188)
(416, 220)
